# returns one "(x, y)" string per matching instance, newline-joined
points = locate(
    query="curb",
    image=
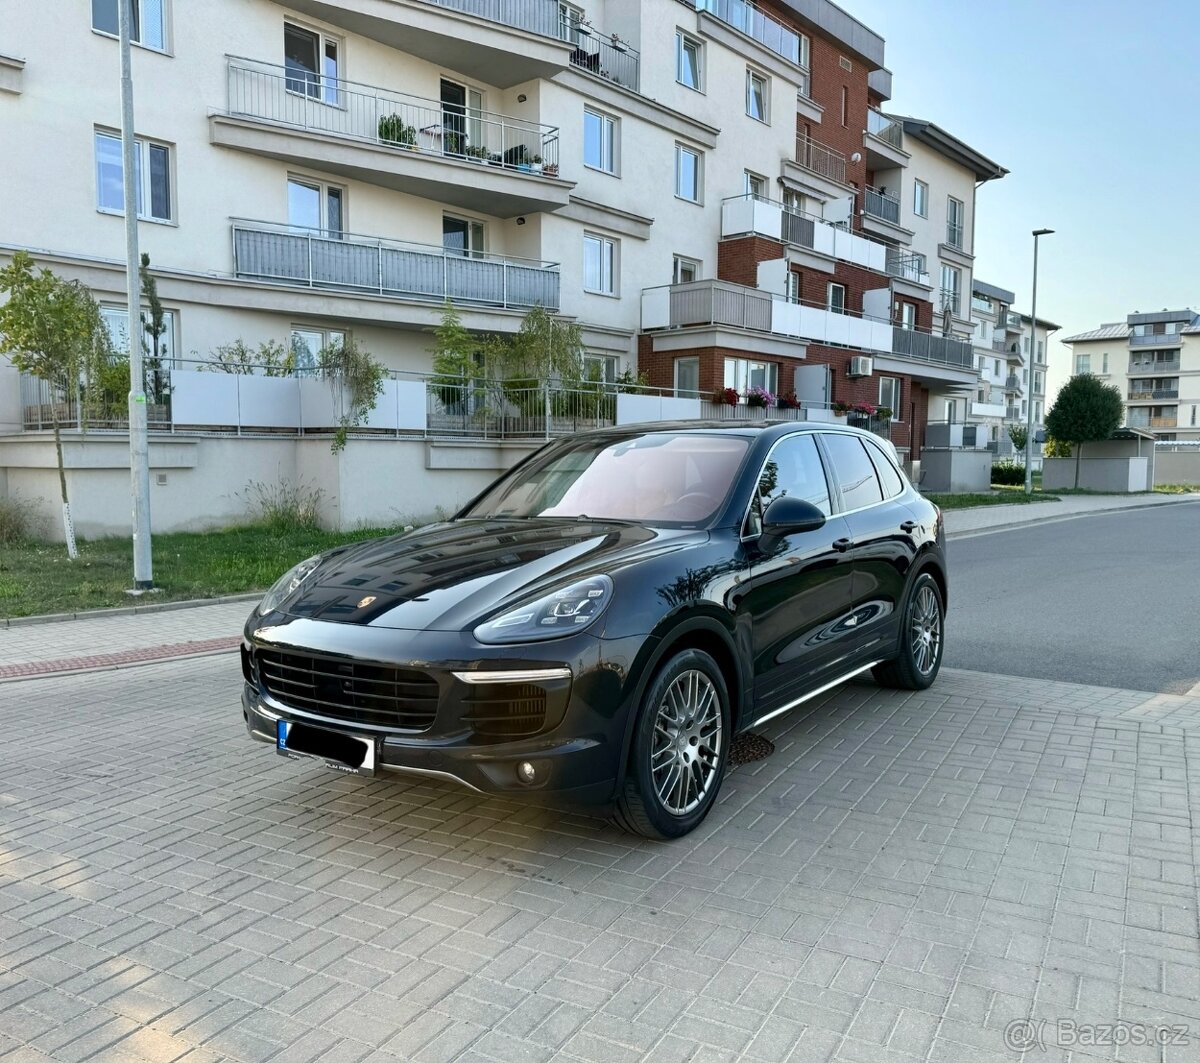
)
(1058, 519)
(128, 610)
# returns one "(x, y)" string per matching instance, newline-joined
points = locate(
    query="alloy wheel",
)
(926, 630)
(687, 746)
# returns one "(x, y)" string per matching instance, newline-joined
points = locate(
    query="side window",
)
(854, 471)
(889, 478)
(793, 468)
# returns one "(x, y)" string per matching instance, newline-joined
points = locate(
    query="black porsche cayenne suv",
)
(601, 622)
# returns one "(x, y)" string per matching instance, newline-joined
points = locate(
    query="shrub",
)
(1055, 448)
(1008, 474)
(20, 520)
(283, 506)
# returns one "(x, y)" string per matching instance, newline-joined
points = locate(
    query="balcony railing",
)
(820, 158)
(1013, 383)
(1138, 365)
(535, 16)
(954, 234)
(352, 263)
(1012, 321)
(351, 111)
(948, 299)
(758, 25)
(1012, 413)
(879, 125)
(930, 347)
(880, 204)
(907, 265)
(1157, 339)
(1141, 395)
(603, 55)
(1001, 346)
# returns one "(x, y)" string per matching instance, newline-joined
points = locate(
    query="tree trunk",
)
(1078, 455)
(68, 528)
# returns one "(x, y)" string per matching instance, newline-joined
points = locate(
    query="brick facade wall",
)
(738, 258)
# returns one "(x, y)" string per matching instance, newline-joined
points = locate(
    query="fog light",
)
(526, 772)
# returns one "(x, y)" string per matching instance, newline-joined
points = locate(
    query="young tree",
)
(1019, 436)
(1086, 411)
(359, 376)
(52, 329)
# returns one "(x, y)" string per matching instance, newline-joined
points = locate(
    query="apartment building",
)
(710, 189)
(1154, 359)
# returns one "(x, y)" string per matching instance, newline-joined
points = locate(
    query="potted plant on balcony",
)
(884, 413)
(619, 44)
(788, 401)
(840, 409)
(758, 398)
(550, 169)
(453, 142)
(724, 397)
(394, 131)
(478, 153)
(535, 164)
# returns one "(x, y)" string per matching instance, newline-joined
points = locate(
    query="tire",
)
(680, 749)
(922, 639)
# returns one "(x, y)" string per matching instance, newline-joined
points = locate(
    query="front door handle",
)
(842, 545)
(909, 526)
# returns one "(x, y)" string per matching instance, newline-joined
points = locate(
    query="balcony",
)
(882, 205)
(1012, 322)
(263, 251)
(883, 142)
(605, 56)
(1013, 383)
(758, 26)
(906, 265)
(1013, 413)
(1149, 394)
(987, 409)
(1156, 339)
(1143, 418)
(1147, 366)
(820, 159)
(497, 42)
(479, 160)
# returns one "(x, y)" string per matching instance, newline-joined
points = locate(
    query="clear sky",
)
(1093, 107)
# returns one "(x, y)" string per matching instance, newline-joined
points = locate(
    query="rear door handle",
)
(842, 545)
(909, 526)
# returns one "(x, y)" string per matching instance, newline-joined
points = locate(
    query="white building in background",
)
(1154, 360)
(710, 190)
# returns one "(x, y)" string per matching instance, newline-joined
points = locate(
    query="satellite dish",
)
(856, 158)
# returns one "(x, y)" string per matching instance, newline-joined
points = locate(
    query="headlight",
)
(287, 585)
(559, 613)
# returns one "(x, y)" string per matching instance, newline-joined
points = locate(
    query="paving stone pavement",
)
(902, 878)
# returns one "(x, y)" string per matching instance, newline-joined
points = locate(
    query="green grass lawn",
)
(998, 496)
(37, 578)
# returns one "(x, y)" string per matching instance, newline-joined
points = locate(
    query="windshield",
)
(660, 478)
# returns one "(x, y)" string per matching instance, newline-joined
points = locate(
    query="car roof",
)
(773, 427)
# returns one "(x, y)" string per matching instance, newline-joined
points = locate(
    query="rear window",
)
(890, 480)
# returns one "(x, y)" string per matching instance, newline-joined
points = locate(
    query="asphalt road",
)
(1111, 600)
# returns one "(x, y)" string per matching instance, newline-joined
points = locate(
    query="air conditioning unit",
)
(860, 366)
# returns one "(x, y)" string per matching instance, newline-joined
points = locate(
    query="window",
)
(687, 174)
(149, 27)
(889, 479)
(1026, 341)
(1041, 350)
(889, 395)
(684, 270)
(1083, 363)
(835, 299)
(687, 375)
(908, 315)
(741, 374)
(795, 286)
(951, 288)
(463, 236)
(757, 95)
(793, 468)
(308, 342)
(152, 177)
(754, 184)
(853, 469)
(599, 141)
(1105, 363)
(688, 58)
(845, 106)
(311, 64)
(955, 214)
(1193, 415)
(599, 264)
(1039, 382)
(921, 199)
(570, 18)
(116, 321)
(316, 207)
(601, 367)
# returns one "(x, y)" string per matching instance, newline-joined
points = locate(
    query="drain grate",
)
(748, 748)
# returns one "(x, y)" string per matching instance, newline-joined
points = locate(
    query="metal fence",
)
(536, 16)
(348, 262)
(907, 265)
(1155, 339)
(820, 158)
(603, 55)
(720, 303)
(398, 120)
(1141, 366)
(928, 347)
(881, 205)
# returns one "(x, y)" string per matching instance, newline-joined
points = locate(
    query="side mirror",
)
(787, 516)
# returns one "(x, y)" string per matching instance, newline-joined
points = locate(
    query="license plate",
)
(350, 754)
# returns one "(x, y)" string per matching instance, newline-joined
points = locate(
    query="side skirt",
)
(813, 693)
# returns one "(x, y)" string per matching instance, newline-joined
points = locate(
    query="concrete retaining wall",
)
(1099, 474)
(1177, 467)
(957, 471)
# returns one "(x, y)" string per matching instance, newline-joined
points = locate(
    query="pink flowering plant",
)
(759, 397)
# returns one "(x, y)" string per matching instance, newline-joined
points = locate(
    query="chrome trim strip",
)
(513, 675)
(263, 700)
(813, 693)
(401, 769)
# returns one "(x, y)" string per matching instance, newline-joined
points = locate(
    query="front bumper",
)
(576, 758)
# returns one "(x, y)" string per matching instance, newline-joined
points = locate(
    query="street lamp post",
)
(1032, 370)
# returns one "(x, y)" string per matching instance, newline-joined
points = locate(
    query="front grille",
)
(355, 691)
(505, 710)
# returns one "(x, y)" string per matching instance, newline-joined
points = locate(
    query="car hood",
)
(449, 576)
